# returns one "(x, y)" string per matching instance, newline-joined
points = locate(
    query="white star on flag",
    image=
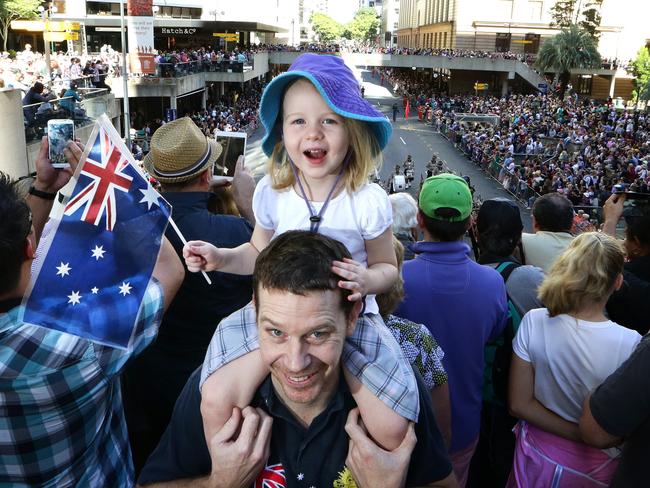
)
(125, 289)
(98, 252)
(150, 197)
(74, 298)
(94, 290)
(301, 476)
(63, 270)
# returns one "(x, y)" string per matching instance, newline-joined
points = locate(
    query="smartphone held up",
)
(233, 145)
(59, 133)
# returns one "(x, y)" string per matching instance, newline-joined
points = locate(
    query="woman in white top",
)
(562, 353)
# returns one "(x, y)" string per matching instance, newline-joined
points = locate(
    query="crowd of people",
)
(231, 112)
(540, 144)
(336, 319)
(29, 67)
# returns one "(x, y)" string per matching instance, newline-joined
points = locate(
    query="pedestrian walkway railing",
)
(512, 182)
(36, 115)
(175, 70)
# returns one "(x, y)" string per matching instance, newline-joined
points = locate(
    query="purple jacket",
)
(464, 305)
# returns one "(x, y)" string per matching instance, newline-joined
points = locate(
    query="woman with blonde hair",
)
(561, 354)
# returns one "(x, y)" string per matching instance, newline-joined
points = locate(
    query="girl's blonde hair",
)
(365, 158)
(584, 273)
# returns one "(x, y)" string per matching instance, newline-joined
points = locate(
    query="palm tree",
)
(571, 48)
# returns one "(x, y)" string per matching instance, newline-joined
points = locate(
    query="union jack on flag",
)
(271, 477)
(99, 257)
(105, 167)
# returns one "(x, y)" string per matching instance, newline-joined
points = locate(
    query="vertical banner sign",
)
(140, 31)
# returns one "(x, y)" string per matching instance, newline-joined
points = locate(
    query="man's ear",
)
(619, 282)
(30, 248)
(420, 219)
(206, 176)
(534, 222)
(352, 317)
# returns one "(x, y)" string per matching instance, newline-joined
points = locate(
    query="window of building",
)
(584, 84)
(502, 42)
(535, 8)
(533, 46)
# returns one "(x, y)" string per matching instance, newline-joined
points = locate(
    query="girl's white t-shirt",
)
(571, 357)
(349, 218)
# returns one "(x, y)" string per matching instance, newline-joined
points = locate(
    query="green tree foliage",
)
(13, 10)
(562, 13)
(326, 28)
(571, 48)
(364, 26)
(640, 68)
(591, 18)
(565, 13)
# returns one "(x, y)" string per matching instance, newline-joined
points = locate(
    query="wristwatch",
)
(41, 194)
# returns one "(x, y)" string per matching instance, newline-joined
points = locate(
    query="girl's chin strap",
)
(316, 218)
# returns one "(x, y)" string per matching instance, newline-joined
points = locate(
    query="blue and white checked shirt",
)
(61, 414)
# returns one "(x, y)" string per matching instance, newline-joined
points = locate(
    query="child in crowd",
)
(323, 140)
(561, 354)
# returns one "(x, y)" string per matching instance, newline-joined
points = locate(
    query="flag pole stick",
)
(184, 241)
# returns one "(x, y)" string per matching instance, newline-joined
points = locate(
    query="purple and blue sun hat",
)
(336, 84)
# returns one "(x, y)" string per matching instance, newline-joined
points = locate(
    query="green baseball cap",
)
(446, 191)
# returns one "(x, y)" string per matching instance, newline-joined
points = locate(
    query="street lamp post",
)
(125, 80)
(45, 17)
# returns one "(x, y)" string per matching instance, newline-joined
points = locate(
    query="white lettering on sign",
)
(178, 30)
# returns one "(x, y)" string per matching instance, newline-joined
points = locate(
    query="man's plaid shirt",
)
(61, 414)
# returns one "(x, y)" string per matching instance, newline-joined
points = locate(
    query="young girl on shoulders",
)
(323, 140)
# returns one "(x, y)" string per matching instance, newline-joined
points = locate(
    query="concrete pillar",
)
(172, 102)
(204, 98)
(96, 106)
(222, 88)
(12, 135)
(612, 85)
(504, 86)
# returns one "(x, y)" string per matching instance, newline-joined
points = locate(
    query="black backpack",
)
(503, 351)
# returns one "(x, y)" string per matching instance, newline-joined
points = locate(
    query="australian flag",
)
(99, 261)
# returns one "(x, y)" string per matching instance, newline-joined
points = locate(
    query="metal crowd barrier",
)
(512, 183)
(174, 70)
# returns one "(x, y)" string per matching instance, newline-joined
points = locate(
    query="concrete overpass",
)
(465, 71)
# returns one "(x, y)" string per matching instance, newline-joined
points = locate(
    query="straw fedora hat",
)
(179, 151)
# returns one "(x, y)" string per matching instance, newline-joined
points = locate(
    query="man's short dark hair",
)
(553, 212)
(638, 223)
(443, 230)
(14, 228)
(299, 262)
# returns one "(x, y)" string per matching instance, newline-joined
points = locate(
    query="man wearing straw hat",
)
(181, 159)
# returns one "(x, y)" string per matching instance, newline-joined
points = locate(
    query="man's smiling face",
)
(301, 341)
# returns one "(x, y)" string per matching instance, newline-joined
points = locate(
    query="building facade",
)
(177, 23)
(389, 22)
(522, 26)
(514, 25)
